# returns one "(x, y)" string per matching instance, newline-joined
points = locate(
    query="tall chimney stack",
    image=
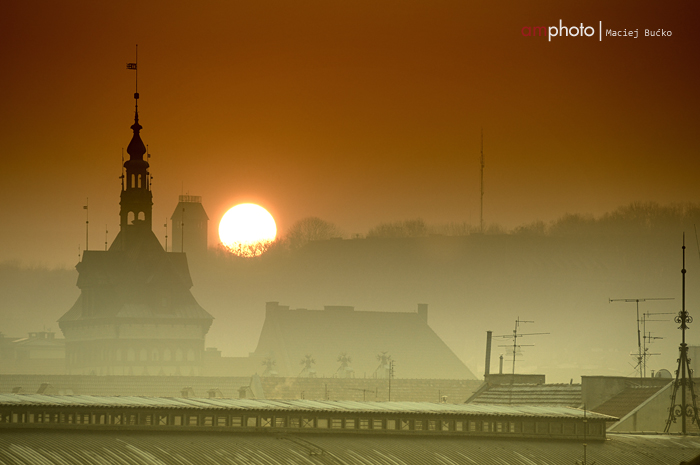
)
(500, 366)
(487, 365)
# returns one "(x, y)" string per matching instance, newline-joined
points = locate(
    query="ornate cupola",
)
(136, 197)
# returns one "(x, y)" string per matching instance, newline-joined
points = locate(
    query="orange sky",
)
(356, 112)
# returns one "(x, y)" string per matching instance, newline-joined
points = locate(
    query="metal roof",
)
(295, 405)
(86, 447)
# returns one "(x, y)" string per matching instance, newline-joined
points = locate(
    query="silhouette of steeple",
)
(136, 197)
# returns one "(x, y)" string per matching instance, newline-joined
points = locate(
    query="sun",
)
(247, 230)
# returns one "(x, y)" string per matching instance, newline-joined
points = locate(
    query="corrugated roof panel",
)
(120, 448)
(296, 405)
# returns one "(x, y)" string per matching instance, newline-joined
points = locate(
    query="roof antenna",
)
(684, 374)
(482, 181)
(642, 353)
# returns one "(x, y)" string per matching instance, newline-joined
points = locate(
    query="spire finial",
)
(136, 149)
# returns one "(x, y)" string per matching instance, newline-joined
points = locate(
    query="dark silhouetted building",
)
(374, 342)
(189, 222)
(135, 313)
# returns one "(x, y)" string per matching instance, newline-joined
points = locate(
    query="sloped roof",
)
(566, 395)
(127, 281)
(297, 405)
(289, 335)
(624, 402)
(121, 447)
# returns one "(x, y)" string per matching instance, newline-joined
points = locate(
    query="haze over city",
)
(360, 114)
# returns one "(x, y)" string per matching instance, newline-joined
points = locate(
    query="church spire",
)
(136, 197)
(136, 148)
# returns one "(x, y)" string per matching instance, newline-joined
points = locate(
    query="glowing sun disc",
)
(247, 229)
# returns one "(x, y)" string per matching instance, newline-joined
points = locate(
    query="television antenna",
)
(482, 182)
(683, 410)
(641, 341)
(515, 337)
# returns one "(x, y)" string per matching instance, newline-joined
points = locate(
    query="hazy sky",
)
(354, 111)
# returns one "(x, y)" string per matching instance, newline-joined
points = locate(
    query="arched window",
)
(143, 356)
(131, 355)
(167, 355)
(142, 216)
(190, 355)
(178, 355)
(155, 356)
(130, 218)
(133, 180)
(138, 178)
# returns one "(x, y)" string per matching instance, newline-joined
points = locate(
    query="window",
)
(130, 355)
(336, 423)
(459, 426)
(432, 425)
(350, 423)
(251, 421)
(445, 426)
(294, 422)
(220, 420)
(307, 422)
(266, 422)
(236, 421)
(364, 423)
(280, 422)
(418, 425)
(511, 427)
(377, 424)
(405, 425)
(190, 355)
(178, 355)
(143, 355)
(485, 427)
(391, 424)
(192, 420)
(162, 420)
(499, 427)
(322, 423)
(177, 420)
(116, 419)
(472, 426)
(167, 355)
(208, 420)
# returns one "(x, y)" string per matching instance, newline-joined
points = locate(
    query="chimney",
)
(500, 366)
(487, 366)
(423, 312)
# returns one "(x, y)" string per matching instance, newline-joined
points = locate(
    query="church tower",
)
(135, 314)
(136, 197)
